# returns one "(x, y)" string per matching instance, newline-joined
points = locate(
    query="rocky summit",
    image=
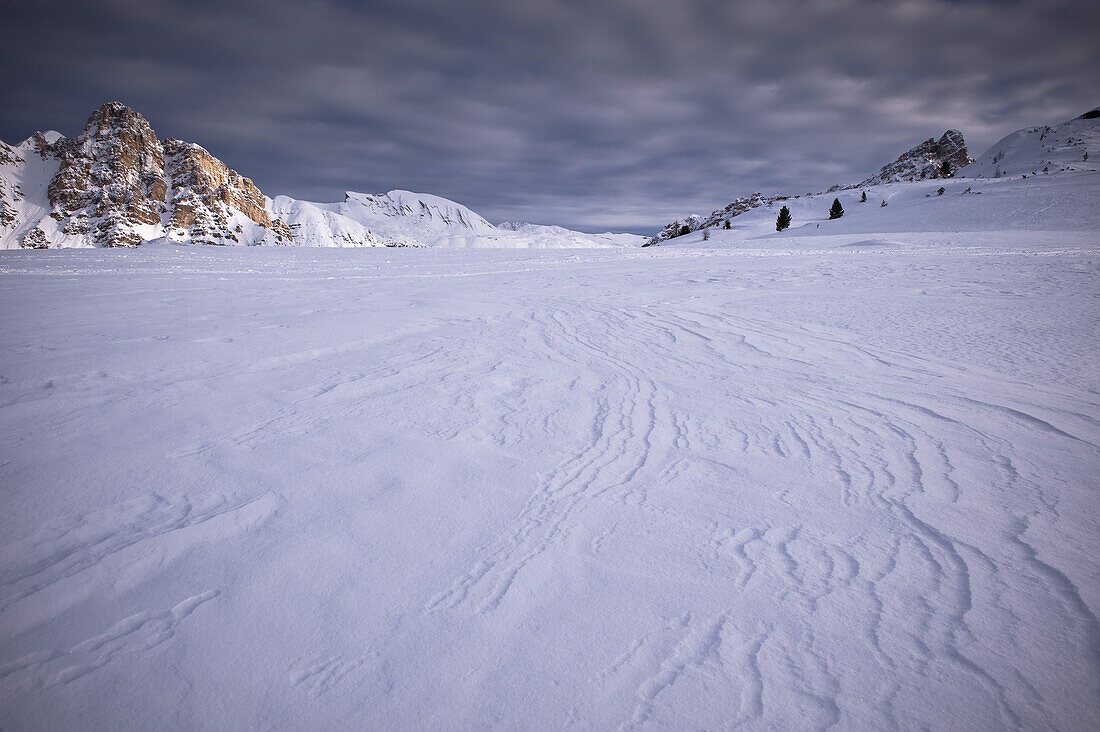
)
(116, 185)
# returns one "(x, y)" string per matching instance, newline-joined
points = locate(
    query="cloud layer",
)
(619, 114)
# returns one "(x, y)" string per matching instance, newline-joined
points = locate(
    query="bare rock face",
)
(925, 161)
(111, 178)
(208, 198)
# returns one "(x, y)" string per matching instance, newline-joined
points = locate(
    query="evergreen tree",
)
(863, 198)
(836, 211)
(784, 219)
(728, 224)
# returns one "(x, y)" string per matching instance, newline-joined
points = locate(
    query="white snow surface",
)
(843, 477)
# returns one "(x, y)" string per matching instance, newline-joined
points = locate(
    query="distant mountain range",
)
(117, 185)
(1030, 151)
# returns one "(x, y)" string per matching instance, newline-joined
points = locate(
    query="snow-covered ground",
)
(787, 483)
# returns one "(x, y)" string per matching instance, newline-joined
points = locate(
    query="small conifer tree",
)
(863, 198)
(784, 219)
(727, 226)
(836, 210)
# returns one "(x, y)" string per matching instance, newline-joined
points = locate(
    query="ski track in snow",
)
(534, 491)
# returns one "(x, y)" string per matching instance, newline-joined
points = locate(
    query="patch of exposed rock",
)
(925, 161)
(717, 218)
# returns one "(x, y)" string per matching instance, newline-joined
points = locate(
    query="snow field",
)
(844, 480)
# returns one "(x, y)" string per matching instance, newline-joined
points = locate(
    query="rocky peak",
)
(925, 161)
(116, 184)
(110, 179)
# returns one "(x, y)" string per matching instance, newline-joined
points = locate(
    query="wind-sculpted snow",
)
(846, 482)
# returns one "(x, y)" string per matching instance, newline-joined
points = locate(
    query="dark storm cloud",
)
(618, 114)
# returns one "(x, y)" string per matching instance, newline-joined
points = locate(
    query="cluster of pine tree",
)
(835, 212)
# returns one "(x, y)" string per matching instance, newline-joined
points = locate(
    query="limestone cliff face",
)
(111, 178)
(925, 161)
(118, 185)
(207, 196)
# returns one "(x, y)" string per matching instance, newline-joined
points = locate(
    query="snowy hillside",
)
(1066, 202)
(914, 201)
(1043, 150)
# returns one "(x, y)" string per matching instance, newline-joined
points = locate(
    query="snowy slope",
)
(1042, 150)
(24, 177)
(835, 481)
(1063, 202)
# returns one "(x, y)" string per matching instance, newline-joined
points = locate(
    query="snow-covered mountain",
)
(406, 219)
(1043, 150)
(116, 184)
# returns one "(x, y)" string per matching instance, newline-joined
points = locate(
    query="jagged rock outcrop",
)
(209, 199)
(925, 161)
(111, 178)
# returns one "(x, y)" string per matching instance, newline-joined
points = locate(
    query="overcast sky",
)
(621, 114)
